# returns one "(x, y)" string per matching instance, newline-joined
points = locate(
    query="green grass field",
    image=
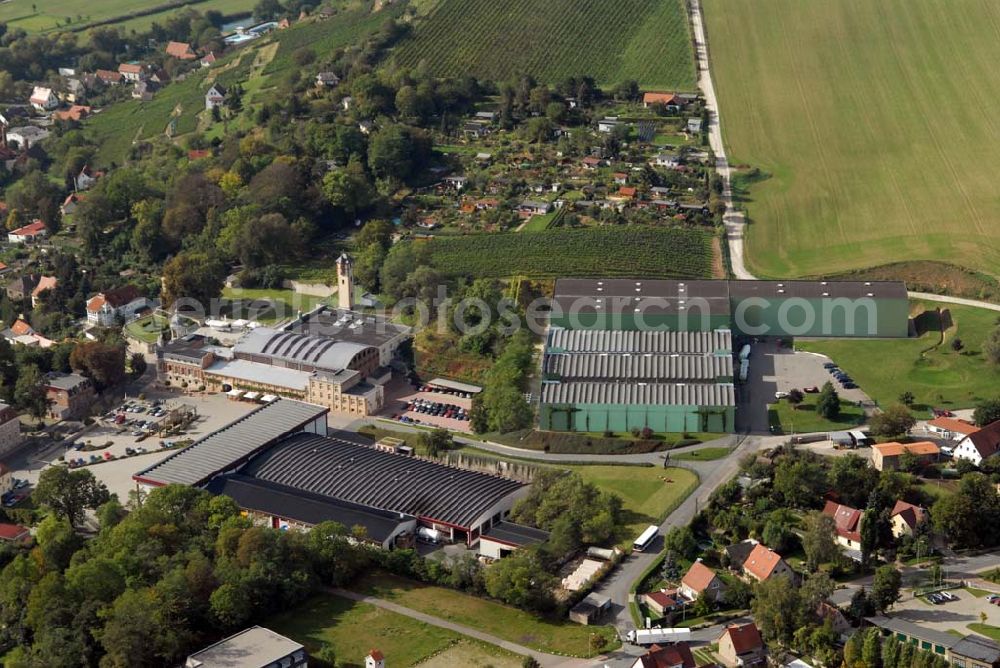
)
(940, 377)
(560, 636)
(44, 15)
(147, 329)
(645, 40)
(785, 419)
(987, 630)
(876, 122)
(594, 251)
(353, 629)
(649, 492)
(269, 305)
(709, 454)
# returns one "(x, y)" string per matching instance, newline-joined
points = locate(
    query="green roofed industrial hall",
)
(626, 354)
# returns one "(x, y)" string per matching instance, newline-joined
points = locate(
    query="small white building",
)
(43, 99)
(980, 445)
(503, 538)
(215, 97)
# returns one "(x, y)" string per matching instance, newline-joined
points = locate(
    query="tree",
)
(69, 493)
(670, 571)
(957, 345)
(971, 516)
(818, 540)
(194, 277)
(138, 633)
(871, 648)
(137, 364)
(907, 398)
(681, 541)
(853, 479)
(349, 189)
(885, 587)
(828, 402)
(29, 393)
(104, 363)
(521, 581)
(776, 609)
(861, 606)
(398, 152)
(893, 422)
(991, 347)
(436, 441)
(800, 480)
(987, 412)
(795, 397)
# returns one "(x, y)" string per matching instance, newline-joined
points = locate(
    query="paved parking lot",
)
(953, 615)
(398, 408)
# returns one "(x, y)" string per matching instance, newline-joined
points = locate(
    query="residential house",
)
(529, 208)
(143, 90)
(475, 130)
(591, 162)
(677, 655)
(74, 91)
(77, 113)
(764, 563)
(87, 178)
(70, 204)
(661, 603)
(26, 136)
(885, 456)
(700, 580)
(737, 553)
(215, 97)
(21, 332)
(625, 193)
(847, 522)
(327, 79)
(905, 518)
(838, 622)
(132, 71)
(160, 77)
(181, 51)
(13, 533)
(455, 182)
(199, 153)
(693, 126)
(31, 233)
(71, 395)
(950, 428)
(668, 160)
(668, 100)
(980, 445)
(974, 651)
(741, 645)
(209, 59)
(43, 99)
(10, 437)
(621, 178)
(105, 309)
(44, 283)
(255, 647)
(109, 77)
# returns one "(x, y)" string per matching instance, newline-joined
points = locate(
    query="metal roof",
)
(587, 341)
(264, 374)
(293, 504)
(317, 351)
(670, 394)
(225, 448)
(348, 326)
(818, 289)
(255, 646)
(912, 630)
(652, 367)
(978, 648)
(518, 535)
(360, 474)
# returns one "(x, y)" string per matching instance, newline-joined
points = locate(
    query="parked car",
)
(812, 389)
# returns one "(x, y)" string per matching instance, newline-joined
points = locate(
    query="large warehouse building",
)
(620, 380)
(869, 309)
(284, 471)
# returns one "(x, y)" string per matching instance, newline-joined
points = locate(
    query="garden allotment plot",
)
(878, 122)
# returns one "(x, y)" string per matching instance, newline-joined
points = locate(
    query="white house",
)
(105, 309)
(43, 99)
(979, 445)
(953, 429)
(608, 124)
(215, 97)
(667, 160)
(86, 178)
(29, 234)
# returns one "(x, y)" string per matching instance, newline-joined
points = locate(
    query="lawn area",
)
(268, 305)
(898, 164)
(987, 630)
(938, 377)
(786, 419)
(540, 223)
(147, 329)
(561, 636)
(709, 454)
(43, 15)
(353, 629)
(649, 493)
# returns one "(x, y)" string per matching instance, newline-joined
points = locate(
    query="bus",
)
(646, 539)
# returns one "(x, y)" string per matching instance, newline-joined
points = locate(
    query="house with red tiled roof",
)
(109, 77)
(885, 456)
(700, 580)
(75, 113)
(591, 162)
(953, 429)
(181, 50)
(132, 71)
(44, 283)
(764, 563)
(669, 100)
(69, 204)
(847, 521)
(905, 518)
(13, 533)
(31, 233)
(663, 602)
(740, 645)
(979, 445)
(677, 655)
(107, 308)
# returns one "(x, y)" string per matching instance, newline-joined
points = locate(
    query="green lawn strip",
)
(937, 376)
(978, 593)
(548, 635)
(540, 223)
(703, 454)
(354, 628)
(987, 630)
(787, 419)
(147, 329)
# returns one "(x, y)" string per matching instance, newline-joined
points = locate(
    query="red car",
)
(811, 390)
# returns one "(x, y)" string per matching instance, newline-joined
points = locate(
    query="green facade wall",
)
(620, 417)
